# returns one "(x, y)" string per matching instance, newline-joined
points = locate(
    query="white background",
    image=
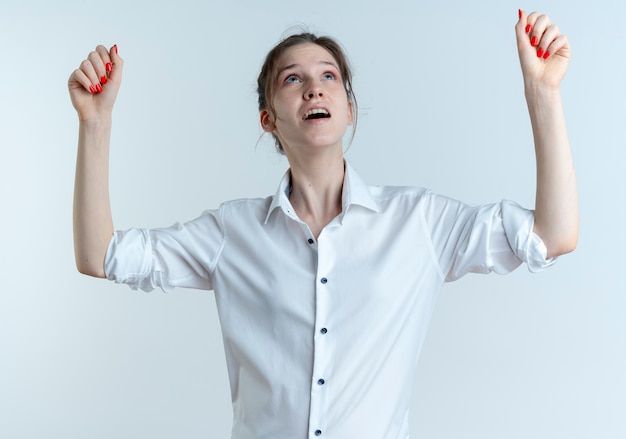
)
(442, 105)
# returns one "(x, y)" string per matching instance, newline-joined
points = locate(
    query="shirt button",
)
(323, 330)
(318, 432)
(324, 280)
(311, 241)
(321, 381)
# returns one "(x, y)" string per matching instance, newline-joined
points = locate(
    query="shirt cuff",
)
(129, 261)
(527, 245)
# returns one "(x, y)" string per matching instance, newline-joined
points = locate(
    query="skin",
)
(556, 203)
(93, 223)
(309, 78)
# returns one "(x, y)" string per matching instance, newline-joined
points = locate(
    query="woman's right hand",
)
(94, 85)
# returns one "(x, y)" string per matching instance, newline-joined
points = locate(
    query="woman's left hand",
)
(544, 52)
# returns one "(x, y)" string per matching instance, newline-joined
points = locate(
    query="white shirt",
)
(322, 337)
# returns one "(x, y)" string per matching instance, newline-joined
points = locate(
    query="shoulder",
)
(250, 204)
(398, 199)
(394, 194)
(242, 210)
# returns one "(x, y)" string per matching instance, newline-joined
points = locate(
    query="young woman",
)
(325, 289)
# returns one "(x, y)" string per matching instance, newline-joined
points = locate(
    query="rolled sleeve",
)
(182, 255)
(485, 238)
(129, 261)
(527, 245)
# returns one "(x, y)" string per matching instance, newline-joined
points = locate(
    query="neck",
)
(316, 187)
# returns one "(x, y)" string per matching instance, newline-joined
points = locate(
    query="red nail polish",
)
(528, 28)
(519, 13)
(109, 67)
(98, 88)
(103, 80)
(115, 49)
(546, 55)
(534, 41)
(539, 52)
(92, 89)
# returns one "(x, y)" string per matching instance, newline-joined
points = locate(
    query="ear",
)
(350, 119)
(266, 121)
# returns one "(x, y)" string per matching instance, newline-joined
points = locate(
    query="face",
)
(311, 103)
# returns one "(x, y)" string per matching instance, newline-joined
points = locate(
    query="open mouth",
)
(316, 113)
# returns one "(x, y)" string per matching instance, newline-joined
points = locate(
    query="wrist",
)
(539, 90)
(541, 93)
(95, 121)
(95, 133)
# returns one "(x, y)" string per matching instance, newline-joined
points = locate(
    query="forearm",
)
(556, 205)
(93, 224)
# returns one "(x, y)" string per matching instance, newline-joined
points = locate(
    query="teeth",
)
(315, 111)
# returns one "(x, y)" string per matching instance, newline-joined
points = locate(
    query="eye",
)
(329, 76)
(291, 79)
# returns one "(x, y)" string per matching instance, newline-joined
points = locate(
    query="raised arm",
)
(544, 56)
(93, 88)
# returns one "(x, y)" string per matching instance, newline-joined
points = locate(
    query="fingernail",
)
(115, 49)
(534, 41)
(519, 13)
(92, 89)
(103, 80)
(98, 88)
(539, 52)
(528, 28)
(546, 55)
(109, 67)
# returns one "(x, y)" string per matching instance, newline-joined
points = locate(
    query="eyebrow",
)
(291, 66)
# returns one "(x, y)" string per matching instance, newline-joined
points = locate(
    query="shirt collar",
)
(355, 192)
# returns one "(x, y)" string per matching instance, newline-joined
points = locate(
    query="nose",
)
(313, 91)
